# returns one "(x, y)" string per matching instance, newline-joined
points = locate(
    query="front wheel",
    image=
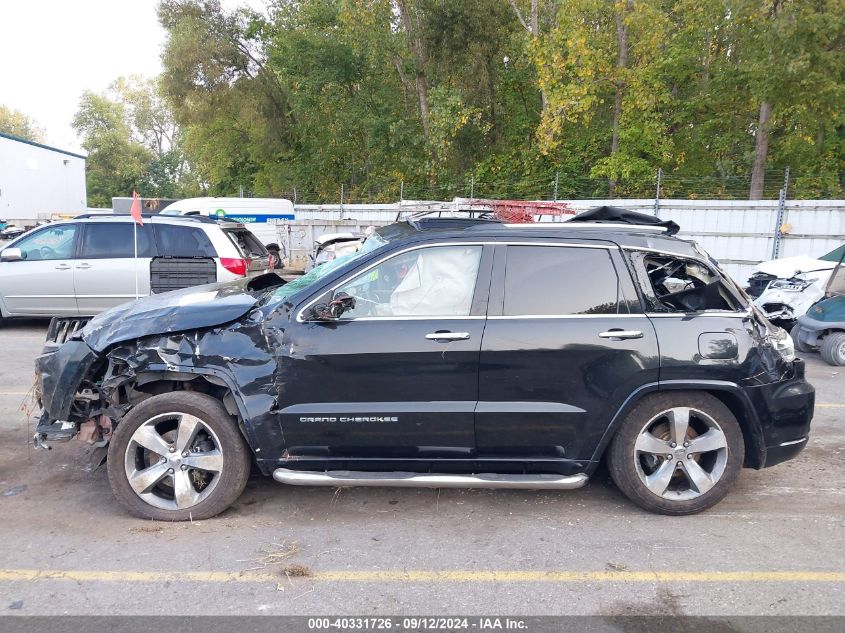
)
(833, 349)
(677, 453)
(178, 456)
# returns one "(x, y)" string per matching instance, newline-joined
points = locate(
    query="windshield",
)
(836, 285)
(373, 242)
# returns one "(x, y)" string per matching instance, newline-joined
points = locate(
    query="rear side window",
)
(115, 240)
(246, 242)
(183, 241)
(559, 280)
(684, 285)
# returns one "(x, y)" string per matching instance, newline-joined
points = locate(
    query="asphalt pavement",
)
(773, 547)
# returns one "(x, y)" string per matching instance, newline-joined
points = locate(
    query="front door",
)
(41, 283)
(397, 376)
(565, 345)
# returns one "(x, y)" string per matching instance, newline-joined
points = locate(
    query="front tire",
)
(178, 456)
(677, 453)
(833, 349)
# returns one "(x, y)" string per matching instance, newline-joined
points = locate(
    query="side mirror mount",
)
(331, 311)
(11, 255)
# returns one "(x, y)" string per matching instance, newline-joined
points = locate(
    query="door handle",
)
(62, 267)
(621, 334)
(84, 266)
(447, 336)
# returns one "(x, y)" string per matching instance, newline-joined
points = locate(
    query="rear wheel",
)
(178, 456)
(833, 349)
(677, 453)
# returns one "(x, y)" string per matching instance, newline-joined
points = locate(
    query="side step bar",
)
(343, 478)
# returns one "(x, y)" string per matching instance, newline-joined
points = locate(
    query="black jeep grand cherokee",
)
(445, 353)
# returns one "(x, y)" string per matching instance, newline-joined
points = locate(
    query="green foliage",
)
(132, 144)
(372, 93)
(16, 123)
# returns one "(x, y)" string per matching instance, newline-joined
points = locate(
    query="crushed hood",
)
(177, 311)
(788, 267)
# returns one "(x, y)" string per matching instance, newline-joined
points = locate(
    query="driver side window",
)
(437, 281)
(55, 242)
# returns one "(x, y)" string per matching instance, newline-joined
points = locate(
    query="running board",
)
(343, 478)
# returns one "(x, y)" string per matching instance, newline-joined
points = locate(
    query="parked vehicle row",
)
(87, 265)
(459, 353)
(790, 289)
(822, 328)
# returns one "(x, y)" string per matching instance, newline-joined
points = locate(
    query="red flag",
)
(135, 209)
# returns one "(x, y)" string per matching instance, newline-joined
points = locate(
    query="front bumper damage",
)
(69, 403)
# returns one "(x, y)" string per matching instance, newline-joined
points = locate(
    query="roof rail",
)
(591, 225)
(148, 216)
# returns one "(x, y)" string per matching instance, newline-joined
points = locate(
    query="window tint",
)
(556, 280)
(55, 242)
(246, 242)
(183, 241)
(434, 281)
(115, 240)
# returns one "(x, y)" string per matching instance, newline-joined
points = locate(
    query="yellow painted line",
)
(15, 393)
(457, 576)
(830, 405)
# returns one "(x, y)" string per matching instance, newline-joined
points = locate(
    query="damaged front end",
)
(87, 378)
(74, 395)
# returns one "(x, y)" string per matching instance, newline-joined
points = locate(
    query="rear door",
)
(565, 344)
(42, 282)
(106, 272)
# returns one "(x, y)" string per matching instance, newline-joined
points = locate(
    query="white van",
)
(260, 215)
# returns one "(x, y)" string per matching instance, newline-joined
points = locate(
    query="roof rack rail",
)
(111, 216)
(591, 225)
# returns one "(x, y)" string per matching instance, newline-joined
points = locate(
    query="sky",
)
(53, 50)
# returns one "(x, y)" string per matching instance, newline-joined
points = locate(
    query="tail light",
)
(271, 262)
(235, 265)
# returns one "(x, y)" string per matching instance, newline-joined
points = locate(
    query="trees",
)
(370, 93)
(18, 124)
(132, 143)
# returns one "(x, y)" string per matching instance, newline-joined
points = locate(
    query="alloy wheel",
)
(681, 453)
(173, 461)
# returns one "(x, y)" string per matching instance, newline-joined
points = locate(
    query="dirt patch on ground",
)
(296, 570)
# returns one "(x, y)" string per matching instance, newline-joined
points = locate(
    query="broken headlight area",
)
(782, 343)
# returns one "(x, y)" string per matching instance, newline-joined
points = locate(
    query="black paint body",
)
(526, 393)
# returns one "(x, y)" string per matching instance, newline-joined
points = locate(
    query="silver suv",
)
(84, 266)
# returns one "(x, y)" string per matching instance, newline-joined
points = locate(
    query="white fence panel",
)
(739, 233)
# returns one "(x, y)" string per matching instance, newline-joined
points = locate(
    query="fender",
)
(230, 383)
(755, 452)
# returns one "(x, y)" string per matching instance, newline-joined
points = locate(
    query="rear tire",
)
(178, 456)
(677, 453)
(833, 349)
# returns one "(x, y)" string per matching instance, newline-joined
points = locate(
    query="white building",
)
(38, 182)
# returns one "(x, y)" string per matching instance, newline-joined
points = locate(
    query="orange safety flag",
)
(135, 209)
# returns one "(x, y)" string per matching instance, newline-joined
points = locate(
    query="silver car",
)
(86, 265)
